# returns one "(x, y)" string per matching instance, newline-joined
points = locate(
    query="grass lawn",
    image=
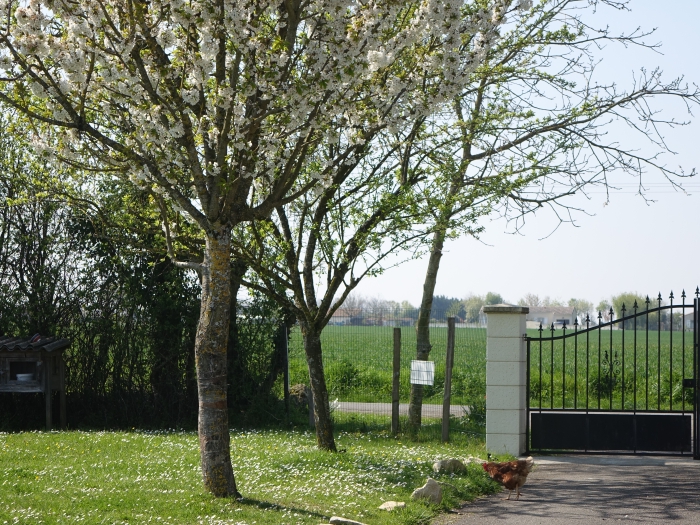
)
(143, 477)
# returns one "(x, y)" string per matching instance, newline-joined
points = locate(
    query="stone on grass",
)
(337, 520)
(472, 459)
(299, 396)
(391, 505)
(449, 466)
(431, 491)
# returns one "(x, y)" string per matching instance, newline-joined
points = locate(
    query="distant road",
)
(431, 411)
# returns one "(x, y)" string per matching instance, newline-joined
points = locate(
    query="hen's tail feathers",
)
(530, 462)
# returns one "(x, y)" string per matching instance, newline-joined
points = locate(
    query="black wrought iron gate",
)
(625, 385)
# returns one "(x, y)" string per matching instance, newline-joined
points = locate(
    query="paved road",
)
(594, 490)
(431, 411)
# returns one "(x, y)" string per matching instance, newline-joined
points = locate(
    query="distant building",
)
(346, 316)
(548, 315)
(688, 321)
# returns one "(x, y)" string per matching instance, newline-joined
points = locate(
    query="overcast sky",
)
(628, 245)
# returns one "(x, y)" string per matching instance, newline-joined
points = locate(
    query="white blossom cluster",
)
(204, 98)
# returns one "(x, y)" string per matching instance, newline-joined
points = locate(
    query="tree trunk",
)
(423, 345)
(210, 354)
(319, 392)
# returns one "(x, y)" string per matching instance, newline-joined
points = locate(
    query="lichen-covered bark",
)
(322, 410)
(210, 354)
(423, 345)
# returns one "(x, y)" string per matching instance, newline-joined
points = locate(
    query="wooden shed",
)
(35, 364)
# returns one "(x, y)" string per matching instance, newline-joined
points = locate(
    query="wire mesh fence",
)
(358, 363)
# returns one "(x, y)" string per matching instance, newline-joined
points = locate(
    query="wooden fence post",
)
(47, 390)
(449, 361)
(62, 391)
(396, 382)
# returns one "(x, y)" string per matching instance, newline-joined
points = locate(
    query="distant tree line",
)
(466, 310)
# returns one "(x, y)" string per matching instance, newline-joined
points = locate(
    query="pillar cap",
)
(506, 309)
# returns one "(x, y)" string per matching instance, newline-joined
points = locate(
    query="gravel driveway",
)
(594, 490)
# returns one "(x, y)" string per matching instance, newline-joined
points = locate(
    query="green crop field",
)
(358, 363)
(622, 370)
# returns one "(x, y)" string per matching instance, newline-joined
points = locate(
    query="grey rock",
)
(337, 520)
(449, 466)
(391, 505)
(431, 491)
(299, 396)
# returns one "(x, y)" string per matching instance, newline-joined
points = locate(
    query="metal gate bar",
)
(696, 386)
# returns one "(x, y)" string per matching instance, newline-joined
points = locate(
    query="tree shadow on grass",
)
(252, 502)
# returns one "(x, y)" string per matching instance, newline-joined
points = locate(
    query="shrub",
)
(342, 376)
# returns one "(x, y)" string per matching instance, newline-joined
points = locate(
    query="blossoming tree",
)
(218, 106)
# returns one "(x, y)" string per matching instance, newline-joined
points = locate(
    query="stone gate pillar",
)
(506, 376)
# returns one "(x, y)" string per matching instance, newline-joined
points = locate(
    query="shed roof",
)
(25, 344)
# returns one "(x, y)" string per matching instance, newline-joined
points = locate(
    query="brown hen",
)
(511, 474)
